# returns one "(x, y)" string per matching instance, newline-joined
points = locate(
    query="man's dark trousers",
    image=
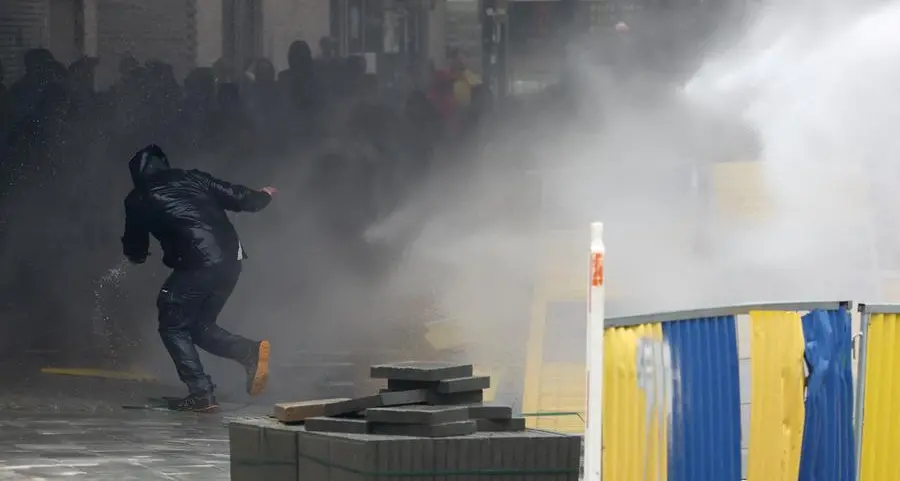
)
(189, 303)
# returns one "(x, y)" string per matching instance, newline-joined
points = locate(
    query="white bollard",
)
(593, 431)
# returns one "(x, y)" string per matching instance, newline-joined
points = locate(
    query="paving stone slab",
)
(337, 425)
(499, 425)
(421, 371)
(418, 414)
(447, 386)
(402, 398)
(459, 398)
(351, 406)
(461, 428)
(490, 411)
(383, 399)
(262, 448)
(295, 412)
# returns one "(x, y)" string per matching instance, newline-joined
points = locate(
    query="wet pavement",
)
(120, 446)
(74, 428)
(56, 427)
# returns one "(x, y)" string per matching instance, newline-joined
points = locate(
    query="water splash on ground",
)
(103, 325)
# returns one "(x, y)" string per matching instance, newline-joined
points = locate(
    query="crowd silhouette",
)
(261, 114)
(63, 143)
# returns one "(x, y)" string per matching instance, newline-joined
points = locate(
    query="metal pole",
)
(859, 413)
(593, 433)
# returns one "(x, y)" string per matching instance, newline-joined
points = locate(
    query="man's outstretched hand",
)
(269, 190)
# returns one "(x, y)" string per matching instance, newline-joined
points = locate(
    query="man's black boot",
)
(257, 366)
(198, 403)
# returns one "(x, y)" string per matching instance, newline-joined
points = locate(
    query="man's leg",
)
(179, 302)
(214, 339)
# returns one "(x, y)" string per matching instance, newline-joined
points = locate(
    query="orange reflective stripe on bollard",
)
(596, 269)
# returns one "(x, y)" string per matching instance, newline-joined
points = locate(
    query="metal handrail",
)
(626, 321)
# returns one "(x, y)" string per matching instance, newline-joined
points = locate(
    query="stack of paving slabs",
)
(490, 418)
(423, 399)
(429, 424)
(445, 384)
(264, 449)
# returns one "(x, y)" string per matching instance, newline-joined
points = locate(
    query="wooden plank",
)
(295, 412)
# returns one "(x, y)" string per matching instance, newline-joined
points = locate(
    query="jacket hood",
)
(300, 56)
(147, 162)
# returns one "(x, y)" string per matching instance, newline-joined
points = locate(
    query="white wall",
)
(209, 32)
(148, 30)
(90, 28)
(63, 32)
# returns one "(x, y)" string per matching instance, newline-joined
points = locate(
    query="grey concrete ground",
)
(59, 427)
(71, 427)
(127, 445)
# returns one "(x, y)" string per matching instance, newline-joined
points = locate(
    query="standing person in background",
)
(185, 211)
(440, 94)
(262, 88)
(197, 110)
(81, 84)
(26, 92)
(481, 104)
(302, 93)
(353, 76)
(223, 70)
(422, 130)
(464, 80)
(328, 65)
(299, 82)
(264, 108)
(6, 115)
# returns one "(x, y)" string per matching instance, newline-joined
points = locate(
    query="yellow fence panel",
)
(776, 388)
(880, 440)
(634, 437)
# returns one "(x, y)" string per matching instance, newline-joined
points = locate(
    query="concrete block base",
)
(259, 449)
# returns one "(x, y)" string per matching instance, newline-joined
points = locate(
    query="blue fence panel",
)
(828, 452)
(705, 435)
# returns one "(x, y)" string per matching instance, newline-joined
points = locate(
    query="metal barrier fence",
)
(878, 393)
(673, 407)
(760, 392)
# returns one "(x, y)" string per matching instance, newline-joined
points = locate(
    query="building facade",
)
(392, 34)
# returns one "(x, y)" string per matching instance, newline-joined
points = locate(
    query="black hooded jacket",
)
(299, 82)
(185, 211)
